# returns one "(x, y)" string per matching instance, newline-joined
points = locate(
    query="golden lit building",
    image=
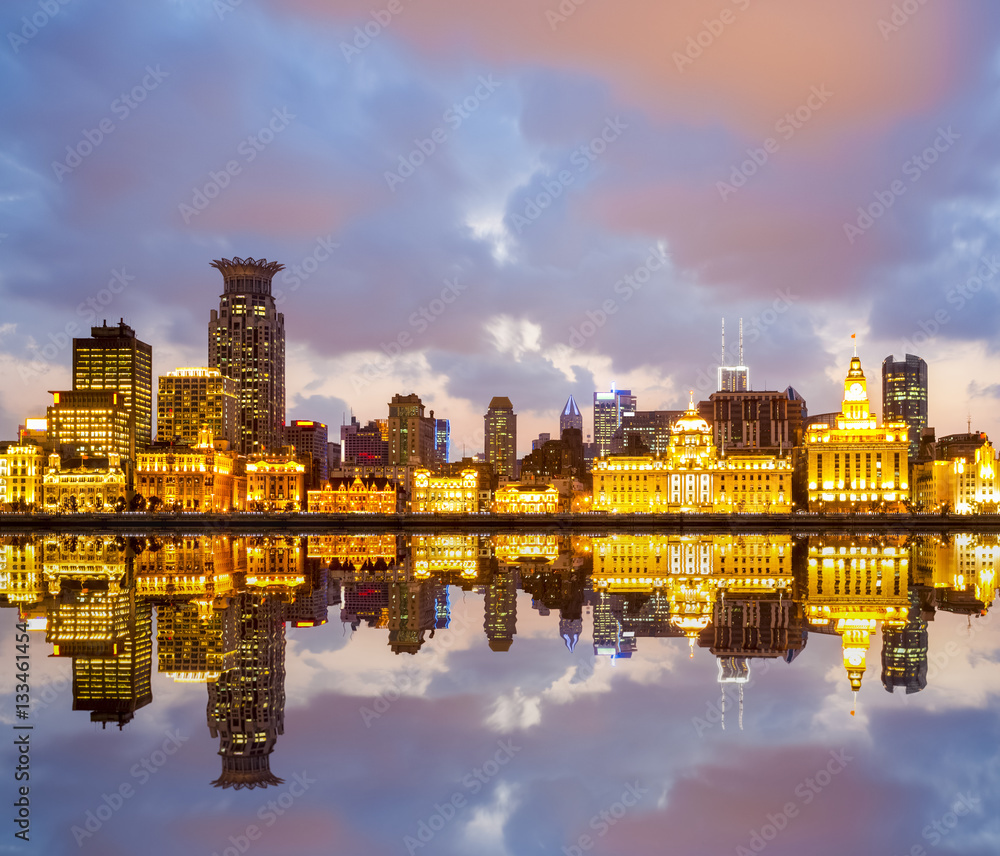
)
(22, 579)
(410, 433)
(114, 359)
(276, 562)
(852, 585)
(190, 399)
(83, 488)
(199, 567)
(857, 465)
(500, 428)
(692, 477)
(90, 422)
(526, 548)
(354, 496)
(192, 646)
(518, 498)
(193, 478)
(275, 481)
(964, 485)
(353, 551)
(458, 494)
(21, 471)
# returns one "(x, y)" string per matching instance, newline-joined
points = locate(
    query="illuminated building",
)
(310, 608)
(442, 441)
(203, 568)
(609, 407)
(91, 624)
(84, 488)
(651, 428)
(766, 421)
(611, 639)
(857, 464)
(22, 468)
(197, 478)
(571, 417)
(526, 548)
(904, 396)
(353, 552)
(447, 494)
(22, 575)
(733, 378)
(526, 499)
(311, 437)
(552, 458)
(114, 359)
(363, 444)
(354, 496)
(444, 554)
(904, 652)
(114, 688)
(368, 602)
(500, 621)
(411, 434)
(34, 432)
(192, 646)
(246, 342)
(852, 585)
(246, 705)
(501, 436)
(961, 570)
(90, 422)
(275, 481)
(753, 484)
(964, 482)
(194, 398)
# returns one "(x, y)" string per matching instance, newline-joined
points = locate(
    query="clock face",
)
(855, 387)
(855, 392)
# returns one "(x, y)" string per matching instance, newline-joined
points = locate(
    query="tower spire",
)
(722, 362)
(741, 341)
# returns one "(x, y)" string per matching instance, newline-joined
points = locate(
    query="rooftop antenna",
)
(969, 422)
(723, 361)
(723, 706)
(741, 707)
(741, 341)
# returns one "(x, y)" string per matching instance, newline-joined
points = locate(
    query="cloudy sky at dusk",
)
(502, 168)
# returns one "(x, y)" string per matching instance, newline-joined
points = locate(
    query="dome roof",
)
(691, 422)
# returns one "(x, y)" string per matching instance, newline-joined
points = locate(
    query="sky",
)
(528, 199)
(575, 732)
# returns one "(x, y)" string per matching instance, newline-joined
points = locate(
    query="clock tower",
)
(856, 408)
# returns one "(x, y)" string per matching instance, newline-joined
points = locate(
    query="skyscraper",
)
(442, 440)
(246, 342)
(733, 378)
(904, 396)
(192, 398)
(501, 436)
(309, 436)
(90, 422)
(609, 408)
(411, 434)
(571, 417)
(114, 359)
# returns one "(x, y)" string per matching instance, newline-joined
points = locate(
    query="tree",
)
(138, 503)
(120, 505)
(153, 503)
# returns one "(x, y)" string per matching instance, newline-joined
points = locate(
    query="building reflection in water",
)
(222, 605)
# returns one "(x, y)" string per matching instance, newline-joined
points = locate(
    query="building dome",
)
(691, 422)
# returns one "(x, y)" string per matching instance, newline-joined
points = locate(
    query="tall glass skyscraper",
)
(904, 396)
(501, 436)
(609, 407)
(246, 342)
(571, 417)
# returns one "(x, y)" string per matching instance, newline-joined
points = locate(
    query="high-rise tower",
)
(733, 378)
(114, 359)
(904, 396)
(246, 342)
(571, 417)
(609, 408)
(501, 436)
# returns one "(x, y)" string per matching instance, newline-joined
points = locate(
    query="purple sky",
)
(717, 154)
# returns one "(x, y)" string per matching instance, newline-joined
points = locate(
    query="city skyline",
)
(454, 275)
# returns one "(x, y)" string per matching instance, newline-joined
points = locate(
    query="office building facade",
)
(501, 436)
(190, 399)
(904, 396)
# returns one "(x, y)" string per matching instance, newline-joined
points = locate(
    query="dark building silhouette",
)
(904, 396)
(904, 651)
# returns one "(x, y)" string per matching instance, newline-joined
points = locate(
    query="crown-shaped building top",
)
(247, 276)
